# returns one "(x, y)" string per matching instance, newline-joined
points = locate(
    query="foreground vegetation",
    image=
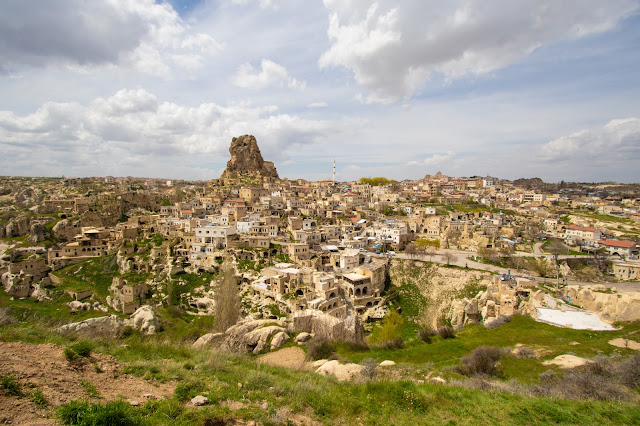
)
(271, 395)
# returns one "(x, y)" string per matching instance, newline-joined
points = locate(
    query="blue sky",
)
(509, 88)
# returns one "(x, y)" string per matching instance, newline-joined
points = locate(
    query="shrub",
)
(426, 334)
(482, 361)
(369, 371)
(396, 343)
(630, 371)
(10, 385)
(524, 352)
(70, 354)
(114, 413)
(446, 332)
(591, 381)
(320, 349)
(83, 349)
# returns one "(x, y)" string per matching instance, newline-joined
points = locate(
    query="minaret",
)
(334, 170)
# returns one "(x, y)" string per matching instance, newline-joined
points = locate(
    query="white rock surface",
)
(344, 372)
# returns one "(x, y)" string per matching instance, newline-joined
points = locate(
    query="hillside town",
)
(299, 245)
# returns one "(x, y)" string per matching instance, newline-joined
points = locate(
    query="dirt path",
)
(44, 367)
(291, 357)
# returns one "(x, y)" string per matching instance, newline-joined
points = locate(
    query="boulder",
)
(251, 335)
(199, 400)
(259, 337)
(328, 327)
(37, 233)
(145, 320)
(387, 363)
(107, 326)
(344, 372)
(207, 339)
(472, 307)
(279, 340)
(303, 337)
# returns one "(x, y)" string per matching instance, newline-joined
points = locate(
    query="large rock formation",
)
(246, 160)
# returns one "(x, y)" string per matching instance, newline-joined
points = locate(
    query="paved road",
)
(461, 259)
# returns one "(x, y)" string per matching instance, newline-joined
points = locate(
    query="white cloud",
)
(133, 128)
(264, 4)
(143, 35)
(318, 105)
(394, 47)
(269, 74)
(616, 140)
(435, 160)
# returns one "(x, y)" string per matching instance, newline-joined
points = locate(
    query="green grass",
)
(216, 375)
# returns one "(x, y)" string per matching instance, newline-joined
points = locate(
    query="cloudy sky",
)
(395, 88)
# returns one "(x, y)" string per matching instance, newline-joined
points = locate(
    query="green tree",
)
(390, 330)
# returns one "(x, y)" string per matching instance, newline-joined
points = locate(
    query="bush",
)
(320, 349)
(114, 413)
(10, 385)
(524, 352)
(591, 381)
(83, 349)
(482, 361)
(70, 354)
(446, 332)
(630, 371)
(426, 334)
(369, 371)
(396, 343)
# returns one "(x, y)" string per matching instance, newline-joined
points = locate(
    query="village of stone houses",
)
(253, 299)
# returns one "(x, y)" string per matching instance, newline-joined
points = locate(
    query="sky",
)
(393, 88)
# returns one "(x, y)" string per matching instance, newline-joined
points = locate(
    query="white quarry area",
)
(573, 319)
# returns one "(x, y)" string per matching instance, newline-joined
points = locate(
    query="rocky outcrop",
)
(328, 327)
(17, 227)
(499, 300)
(246, 159)
(207, 339)
(610, 306)
(279, 340)
(37, 233)
(108, 326)
(145, 320)
(252, 335)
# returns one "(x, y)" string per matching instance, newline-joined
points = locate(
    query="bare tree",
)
(411, 250)
(448, 257)
(226, 298)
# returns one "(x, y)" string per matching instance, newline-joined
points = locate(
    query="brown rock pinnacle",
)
(246, 159)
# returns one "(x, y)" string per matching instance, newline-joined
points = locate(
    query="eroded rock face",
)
(328, 327)
(246, 159)
(38, 233)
